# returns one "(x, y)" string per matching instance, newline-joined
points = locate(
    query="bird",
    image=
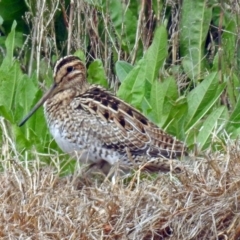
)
(99, 128)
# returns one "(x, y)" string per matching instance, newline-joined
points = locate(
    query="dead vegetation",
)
(202, 202)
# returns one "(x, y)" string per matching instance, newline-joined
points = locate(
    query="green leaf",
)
(122, 69)
(132, 89)
(234, 120)
(146, 108)
(162, 94)
(35, 129)
(96, 73)
(202, 98)
(79, 53)
(6, 114)
(9, 81)
(13, 11)
(124, 21)
(10, 43)
(233, 86)
(208, 126)
(27, 95)
(20, 138)
(228, 41)
(194, 25)
(176, 115)
(156, 54)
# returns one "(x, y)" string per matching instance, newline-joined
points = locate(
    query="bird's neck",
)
(63, 98)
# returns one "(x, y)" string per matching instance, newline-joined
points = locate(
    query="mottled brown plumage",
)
(100, 127)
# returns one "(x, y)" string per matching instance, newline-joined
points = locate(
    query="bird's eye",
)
(70, 69)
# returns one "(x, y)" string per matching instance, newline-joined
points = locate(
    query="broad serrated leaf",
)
(6, 114)
(9, 43)
(228, 40)
(9, 81)
(35, 129)
(234, 120)
(156, 54)
(132, 89)
(208, 126)
(26, 94)
(232, 88)
(176, 114)
(20, 138)
(161, 96)
(202, 98)
(122, 69)
(194, 25)
(146, 108)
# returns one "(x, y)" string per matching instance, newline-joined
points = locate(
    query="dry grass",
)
(200, 203)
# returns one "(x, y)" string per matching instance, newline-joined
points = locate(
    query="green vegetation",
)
(177, 62)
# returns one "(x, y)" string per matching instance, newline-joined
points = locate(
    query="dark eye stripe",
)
(63, 61)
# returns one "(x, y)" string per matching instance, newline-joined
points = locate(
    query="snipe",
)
(89, 120)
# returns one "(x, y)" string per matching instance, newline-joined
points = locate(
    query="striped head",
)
(69, 72)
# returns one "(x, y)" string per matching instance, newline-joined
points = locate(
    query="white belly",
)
(65, 145)
(84, 151)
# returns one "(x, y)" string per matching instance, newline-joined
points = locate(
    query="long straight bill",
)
(38, 105)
